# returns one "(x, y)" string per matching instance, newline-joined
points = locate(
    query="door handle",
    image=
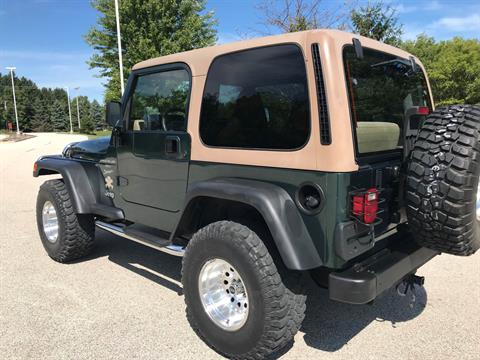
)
(172, 145)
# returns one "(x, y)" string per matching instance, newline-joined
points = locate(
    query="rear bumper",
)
(364, 281)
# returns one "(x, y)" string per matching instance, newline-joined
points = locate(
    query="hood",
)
(93, 150)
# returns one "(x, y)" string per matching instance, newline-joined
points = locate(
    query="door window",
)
(159, 101)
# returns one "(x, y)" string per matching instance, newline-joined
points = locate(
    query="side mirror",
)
(113, 113)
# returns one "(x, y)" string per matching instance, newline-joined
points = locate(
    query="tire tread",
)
(442, 180)
(285, 309)
(77, 237)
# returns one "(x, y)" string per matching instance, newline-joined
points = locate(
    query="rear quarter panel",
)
(321, 226)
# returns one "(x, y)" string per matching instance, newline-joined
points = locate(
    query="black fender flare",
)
(278, 210)
(82, 181)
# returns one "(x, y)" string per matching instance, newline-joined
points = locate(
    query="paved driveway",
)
(125, 301)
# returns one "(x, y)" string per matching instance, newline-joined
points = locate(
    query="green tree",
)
(41, 119)
(86, 122)
(453, 67)
(377, 21)
(59, 116)
(6, 105)
(149, 28)
(42, 109)
(97, 115)
(25, 91)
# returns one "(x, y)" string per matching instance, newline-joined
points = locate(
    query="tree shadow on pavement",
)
(328, 325)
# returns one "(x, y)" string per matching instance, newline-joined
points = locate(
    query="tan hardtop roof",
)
(199, 59)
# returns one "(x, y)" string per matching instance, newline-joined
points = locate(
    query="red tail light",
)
(35, 167)
(423, 110)
(358, 205)
(365, 206)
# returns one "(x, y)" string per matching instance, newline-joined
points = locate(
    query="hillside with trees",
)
(46, 109)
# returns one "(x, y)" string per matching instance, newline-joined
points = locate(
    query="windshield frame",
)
(366, 158)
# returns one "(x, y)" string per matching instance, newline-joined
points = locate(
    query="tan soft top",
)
(339, 156)
(199, 59)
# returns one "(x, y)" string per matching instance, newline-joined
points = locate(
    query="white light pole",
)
(69, 110)
(6, 111)
(119, 43)
(78, 109)
(11, 68)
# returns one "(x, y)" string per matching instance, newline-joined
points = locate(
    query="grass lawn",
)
(94, 135)
(99, 133)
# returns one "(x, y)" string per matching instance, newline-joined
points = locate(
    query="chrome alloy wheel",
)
(223, 294)
(50, 222)
(478, 202)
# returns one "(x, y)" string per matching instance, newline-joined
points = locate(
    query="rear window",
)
(257, 99)
(385, 93)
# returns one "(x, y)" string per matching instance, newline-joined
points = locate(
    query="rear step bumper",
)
(364, 281)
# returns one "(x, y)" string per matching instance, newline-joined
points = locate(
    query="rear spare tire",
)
(443, 180)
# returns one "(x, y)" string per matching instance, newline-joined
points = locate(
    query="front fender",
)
(75, 178)
(278, 210)
(82, 180)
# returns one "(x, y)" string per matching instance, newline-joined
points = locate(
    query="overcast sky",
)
(44, 38)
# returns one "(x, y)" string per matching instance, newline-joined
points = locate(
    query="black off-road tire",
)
(76, 232)
(276, 309)
(442, 181)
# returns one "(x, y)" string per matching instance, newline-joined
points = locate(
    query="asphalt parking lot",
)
(125, 300)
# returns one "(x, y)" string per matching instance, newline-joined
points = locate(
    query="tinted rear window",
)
(257, 99)
(383, 91)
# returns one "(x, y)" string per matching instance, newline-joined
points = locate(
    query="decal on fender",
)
(109, 183)
(109, 187)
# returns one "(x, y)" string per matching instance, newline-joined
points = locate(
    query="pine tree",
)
(85, 114)
(73, 107)
(59, 116)
(6, 105)
(97, 115)
(41, 117)
(25, 91)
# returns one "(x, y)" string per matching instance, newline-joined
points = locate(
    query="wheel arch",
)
(84, 183)
(259, 203)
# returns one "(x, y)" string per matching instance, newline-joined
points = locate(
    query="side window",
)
(257, 99)
(159, 101)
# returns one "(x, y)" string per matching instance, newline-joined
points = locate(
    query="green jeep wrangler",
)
(259, 161)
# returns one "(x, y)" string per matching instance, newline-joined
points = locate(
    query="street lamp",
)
(6, 111)
(69, 110)
(119, 44)
(11, 68)
(78, 109)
